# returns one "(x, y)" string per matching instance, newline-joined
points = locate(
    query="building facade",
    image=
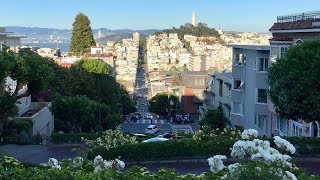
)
(287, 31)
(249, 92)
(218, 93)
(10, 40)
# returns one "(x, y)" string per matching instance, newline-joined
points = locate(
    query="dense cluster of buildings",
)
(242, 92)
(193, 59)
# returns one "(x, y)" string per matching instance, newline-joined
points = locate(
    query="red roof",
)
(301, 24)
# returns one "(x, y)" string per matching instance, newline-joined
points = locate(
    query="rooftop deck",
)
(298, 17)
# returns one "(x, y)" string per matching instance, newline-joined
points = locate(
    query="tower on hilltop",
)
(193, 19)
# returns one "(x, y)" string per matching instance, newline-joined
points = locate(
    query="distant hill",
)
(46, 34)
(201, 29)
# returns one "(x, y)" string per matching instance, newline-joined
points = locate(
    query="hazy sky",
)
(235, 15)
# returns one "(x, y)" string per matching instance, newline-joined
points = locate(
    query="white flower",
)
(121, 164)
(289, 176)
(54, 163)
(249, 134)
(97, 168)
(233, 167)
(107, 164)
(78, 161)
(284, 144)
(216, 163)
(97, 160)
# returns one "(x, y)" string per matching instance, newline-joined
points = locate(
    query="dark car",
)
(139, 115)
(134, 118)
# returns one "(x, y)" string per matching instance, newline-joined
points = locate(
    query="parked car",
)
(148, 116)
(152, 129)
(139, 115)
(156, 139)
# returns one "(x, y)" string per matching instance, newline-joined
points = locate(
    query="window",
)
(199, 82)
(273, 54)
(238, 84)
(263, 64)
(296, 129)
(240, 59)
(237, 108)
(262, 96)
(282, 125)
(227, 110)
(283, 51)
(220, 87)
(261, 121)
(228, 89)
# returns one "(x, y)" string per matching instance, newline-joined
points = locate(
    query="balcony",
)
(237, 119)
(238, 71)
(237, 95)
(208, 104)
(207, 94)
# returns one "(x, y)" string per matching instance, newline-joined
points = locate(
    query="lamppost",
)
(171, 103)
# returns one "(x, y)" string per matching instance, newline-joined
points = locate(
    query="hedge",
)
(306, 146)
(72, 137)
(164, 150)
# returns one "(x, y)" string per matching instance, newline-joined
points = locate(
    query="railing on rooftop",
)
(298, 17)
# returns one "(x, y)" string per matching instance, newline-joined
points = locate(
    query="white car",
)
(152, 129)
(148, 116)
(156, 139)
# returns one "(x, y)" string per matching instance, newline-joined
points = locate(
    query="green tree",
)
(75, 113)
(160, 103)
(213, 119)
(82, 37)
(95, 66)
(294, 82)
(7, 62)
(32, 70)
(8, 107)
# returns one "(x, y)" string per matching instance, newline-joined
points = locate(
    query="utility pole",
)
(99, 100)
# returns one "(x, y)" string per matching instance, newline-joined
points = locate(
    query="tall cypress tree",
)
(82, 37)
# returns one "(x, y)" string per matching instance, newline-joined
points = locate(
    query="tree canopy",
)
(294, 82)
(213, 119)
(160, 103)
(201, 29)
(82, 37)
(95, 66)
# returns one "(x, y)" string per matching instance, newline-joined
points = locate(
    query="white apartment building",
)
(10, 40)
(249, 93)
(218, 93)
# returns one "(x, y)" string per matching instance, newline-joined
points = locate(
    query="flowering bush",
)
(207, 133)
(111, 139)
(266, 162)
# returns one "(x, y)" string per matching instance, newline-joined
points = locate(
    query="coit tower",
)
(193, 19)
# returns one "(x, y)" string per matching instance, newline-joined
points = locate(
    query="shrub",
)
(24, 138)
(72, 137)
(168, 149)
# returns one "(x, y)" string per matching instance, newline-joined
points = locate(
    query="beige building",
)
(136, 36)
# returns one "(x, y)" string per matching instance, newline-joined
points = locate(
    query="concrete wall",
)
(43, 120)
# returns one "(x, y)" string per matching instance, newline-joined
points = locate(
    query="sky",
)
(229, 15)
